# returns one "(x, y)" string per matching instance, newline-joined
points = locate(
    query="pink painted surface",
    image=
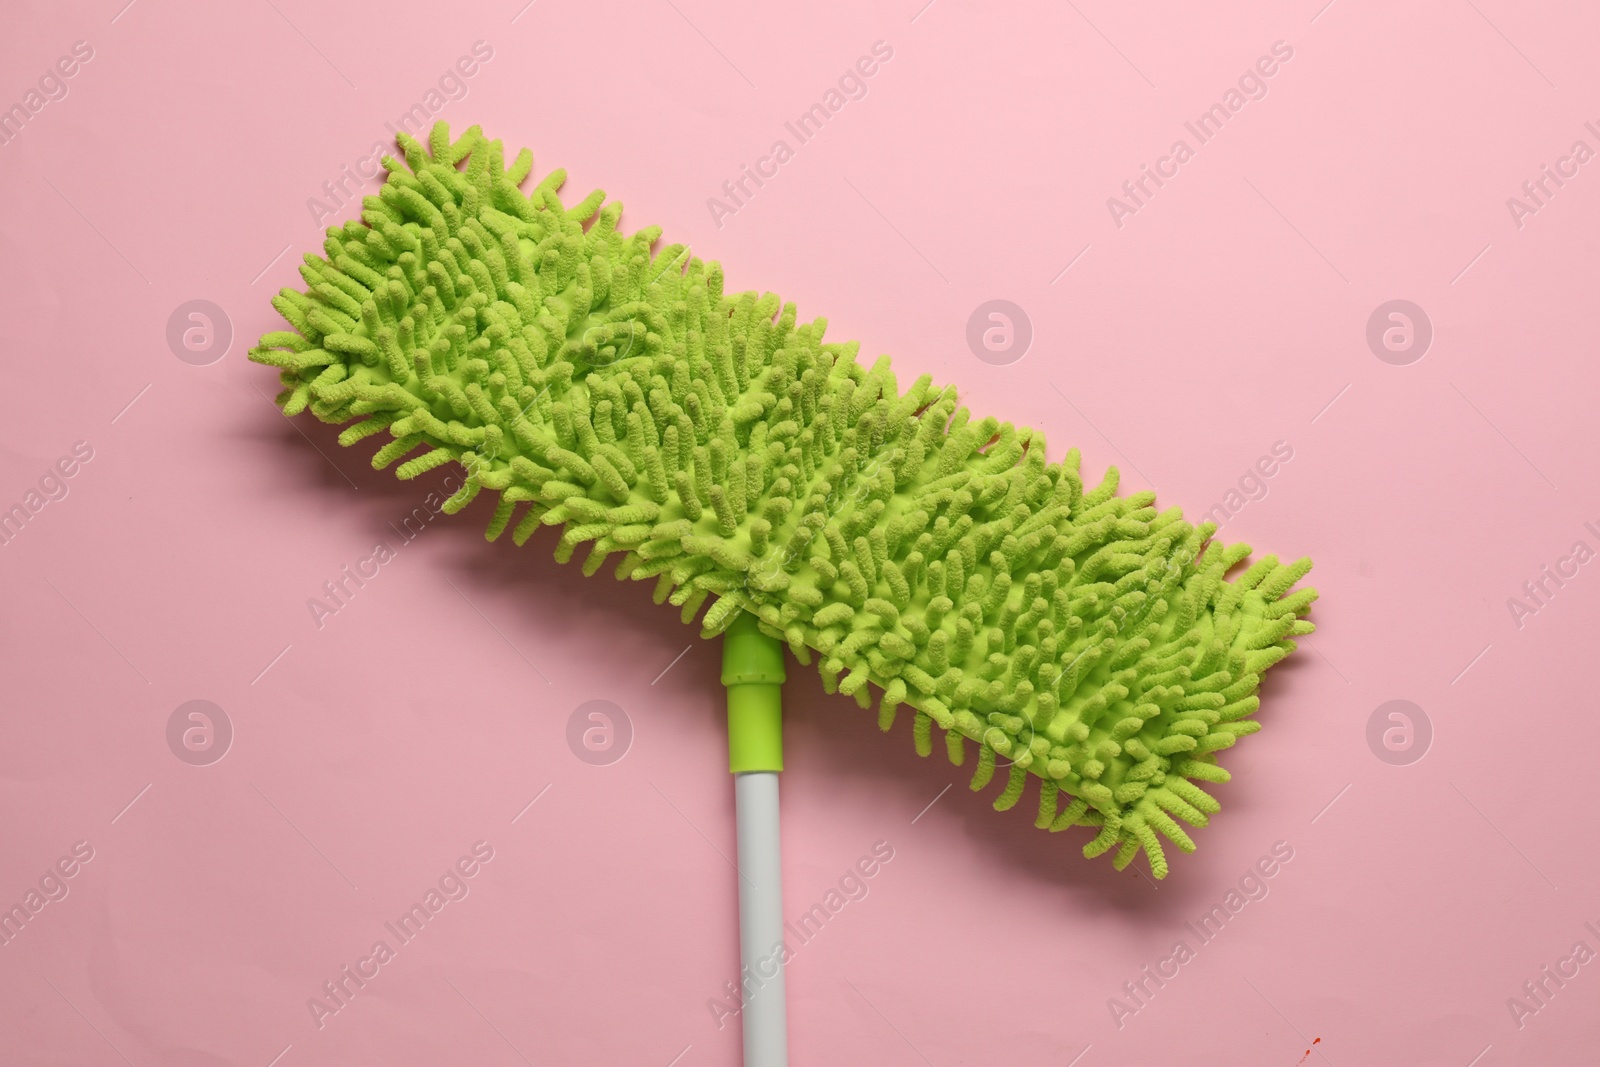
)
(1225, 314)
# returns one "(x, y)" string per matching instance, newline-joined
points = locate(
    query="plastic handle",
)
(752, 669)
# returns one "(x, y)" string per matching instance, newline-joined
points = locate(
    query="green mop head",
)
(720, 446)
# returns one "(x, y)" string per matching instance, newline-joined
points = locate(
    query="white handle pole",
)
(766, 1027)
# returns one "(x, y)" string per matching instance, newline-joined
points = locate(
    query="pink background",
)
(1227, 314)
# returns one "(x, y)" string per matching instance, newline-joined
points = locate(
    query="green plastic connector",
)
(752, 669)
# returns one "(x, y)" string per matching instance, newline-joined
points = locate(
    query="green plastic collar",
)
(752, 669)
